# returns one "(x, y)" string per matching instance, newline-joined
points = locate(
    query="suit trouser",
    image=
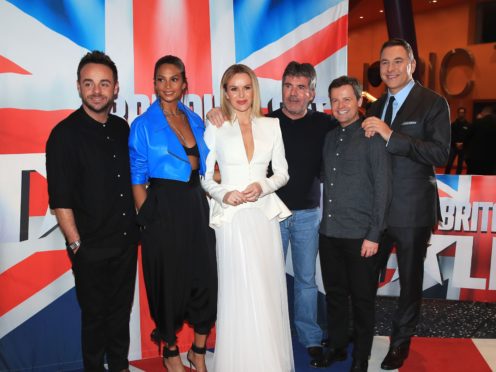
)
(105, 291)
(345, 274)
(411, 247)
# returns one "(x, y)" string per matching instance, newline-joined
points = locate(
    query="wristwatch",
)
(74, 245)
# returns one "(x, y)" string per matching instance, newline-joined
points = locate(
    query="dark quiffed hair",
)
(97, 57)
(301, 69)
(171, 60)
(401, 43)
(347, 80)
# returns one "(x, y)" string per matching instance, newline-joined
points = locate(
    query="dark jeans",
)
(345, 274)
(105, 290)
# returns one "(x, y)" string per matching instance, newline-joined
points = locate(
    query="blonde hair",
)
(225, 105)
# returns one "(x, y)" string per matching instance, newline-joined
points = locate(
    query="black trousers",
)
(345, 274)
(411, 247)
(454, 152)
(105, 290)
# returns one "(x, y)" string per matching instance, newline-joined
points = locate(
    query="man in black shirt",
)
(90, 192)
(357, 192)
(303, 133)
(460, 130)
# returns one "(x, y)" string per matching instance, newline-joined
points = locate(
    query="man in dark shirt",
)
(303, 133)
(460, 130)
(481, 156)
(90, 192)
(357, 193)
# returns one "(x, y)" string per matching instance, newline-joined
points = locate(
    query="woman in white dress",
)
(253, 332)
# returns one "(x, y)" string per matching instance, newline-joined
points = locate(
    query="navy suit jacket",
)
(420, 142)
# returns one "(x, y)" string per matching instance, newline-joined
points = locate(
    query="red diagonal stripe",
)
(444, 354)
(26, 131)
(6, 65)
(29, 276)
(313, 49)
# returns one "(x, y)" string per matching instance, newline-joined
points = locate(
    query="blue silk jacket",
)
(155, 151)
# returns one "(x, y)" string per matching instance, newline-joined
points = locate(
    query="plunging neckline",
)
(248, 160)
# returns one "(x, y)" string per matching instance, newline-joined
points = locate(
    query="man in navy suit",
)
(414, 121)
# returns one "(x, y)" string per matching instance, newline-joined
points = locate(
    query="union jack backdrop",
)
(41, 45)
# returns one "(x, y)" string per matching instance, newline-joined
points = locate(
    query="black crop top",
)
(192, 151)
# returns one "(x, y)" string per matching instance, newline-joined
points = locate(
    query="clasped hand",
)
(250, 194)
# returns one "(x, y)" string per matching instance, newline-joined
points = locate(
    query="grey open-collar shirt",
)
(357, 184)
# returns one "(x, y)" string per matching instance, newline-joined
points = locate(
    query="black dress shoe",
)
(395, 357)
(359, 365)
(333, 355)
(315, 351)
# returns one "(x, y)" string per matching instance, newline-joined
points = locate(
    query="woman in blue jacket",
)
(168, 154)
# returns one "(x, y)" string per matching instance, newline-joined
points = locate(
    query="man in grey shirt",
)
(357, 193)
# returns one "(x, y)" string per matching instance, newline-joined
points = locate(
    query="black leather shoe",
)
(315, 351)
(333, 355)
(359, 365)
(395, 357)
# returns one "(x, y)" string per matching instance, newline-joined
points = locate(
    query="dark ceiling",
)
(370, 10)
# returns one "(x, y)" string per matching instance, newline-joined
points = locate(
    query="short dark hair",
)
(171, 60)
(347, 80)
(301, 69)
(399, 42)
(100, 58)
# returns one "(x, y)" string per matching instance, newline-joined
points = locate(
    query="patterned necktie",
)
(388, 118)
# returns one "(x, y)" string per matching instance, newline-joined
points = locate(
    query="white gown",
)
(252, 330)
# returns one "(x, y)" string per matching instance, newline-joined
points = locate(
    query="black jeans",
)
(346, 274)
(105, 290)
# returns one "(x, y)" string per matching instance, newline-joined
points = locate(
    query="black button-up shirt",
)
(88, 171)
(357, 184)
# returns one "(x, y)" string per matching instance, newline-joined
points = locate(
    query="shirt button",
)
(342, 130)
(334, 169)
(122, 195)
(330, 200)
(118, 176)
(341, 139)
(115, 156)
(332, 184)
(124, 214)
(337, 154)
(125, 233)
(108, 137)
(104, 125)
(329, 216)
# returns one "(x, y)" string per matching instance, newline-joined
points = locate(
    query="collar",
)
(353, 126)
(400, 97)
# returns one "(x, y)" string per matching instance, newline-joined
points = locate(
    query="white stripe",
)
(221, 41)
(300, 33)
(50, 57)
(41, 299)
(487, 348)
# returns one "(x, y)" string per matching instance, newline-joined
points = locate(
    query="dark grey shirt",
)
(357, 184)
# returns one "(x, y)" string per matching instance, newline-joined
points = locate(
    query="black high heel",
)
(155, 336)
(197, 350)
(168, 353)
